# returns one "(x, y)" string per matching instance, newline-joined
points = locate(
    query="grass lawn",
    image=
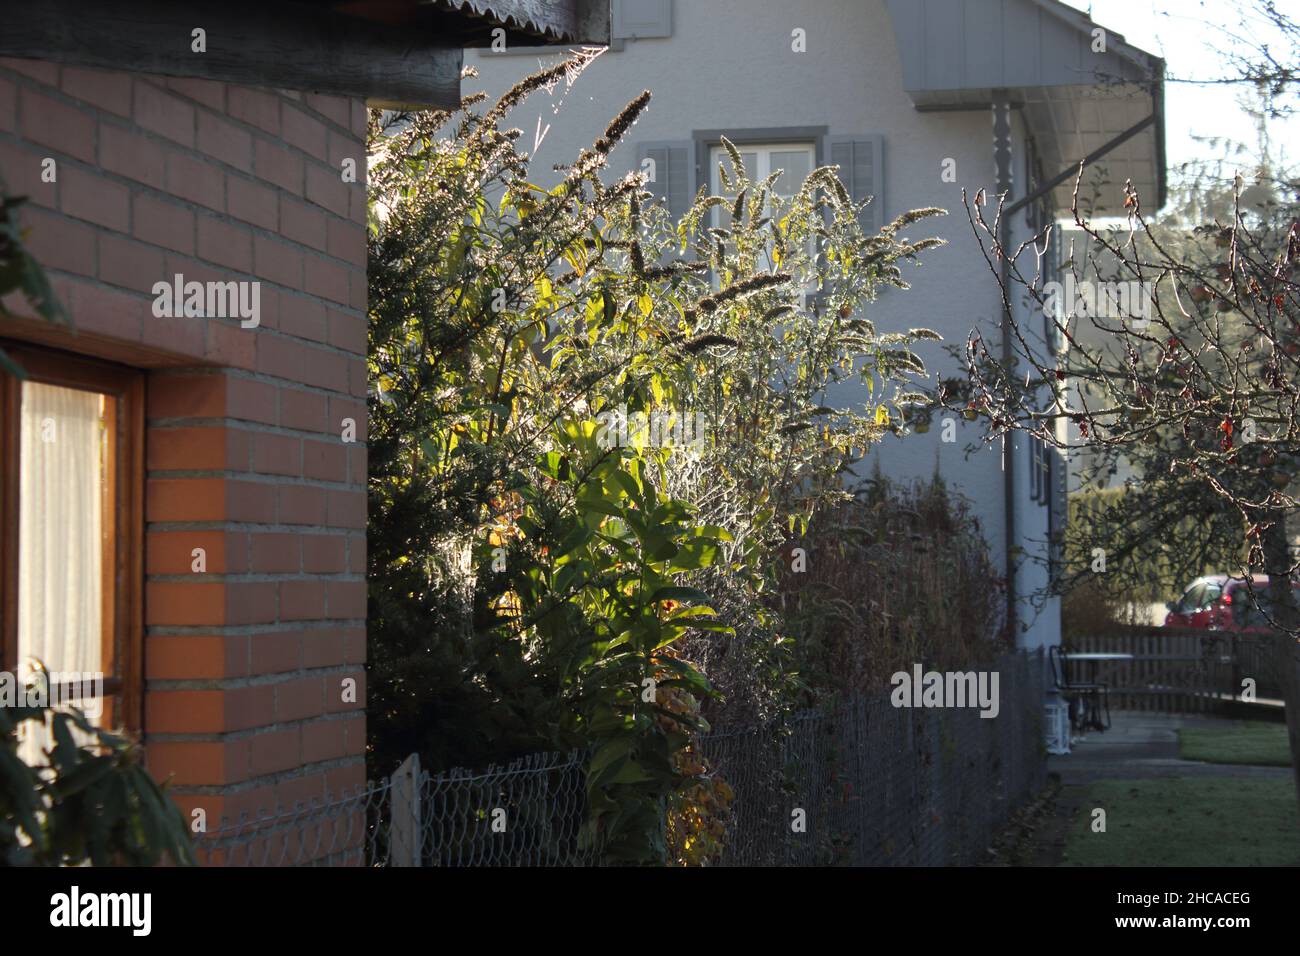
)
(1183, 822)
(1255, 742)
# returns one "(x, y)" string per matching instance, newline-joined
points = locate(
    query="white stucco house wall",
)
(1003, 95)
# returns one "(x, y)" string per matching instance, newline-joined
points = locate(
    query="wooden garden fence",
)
(1177, 670)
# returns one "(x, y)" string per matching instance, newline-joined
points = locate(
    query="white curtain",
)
(60, 529)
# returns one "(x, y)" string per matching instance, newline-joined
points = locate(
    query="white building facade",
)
(915, 101)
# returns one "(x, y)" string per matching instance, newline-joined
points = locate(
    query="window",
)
(1191, 600)
(71, 500)
(1258, 611)
(1040, 471)
(795, 160)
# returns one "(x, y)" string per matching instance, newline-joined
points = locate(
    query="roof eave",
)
(962, 62)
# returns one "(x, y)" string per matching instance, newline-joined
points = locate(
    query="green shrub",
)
(509, 321)
(91, 803)
(1190, 538)
(896, 576)
(20, 272)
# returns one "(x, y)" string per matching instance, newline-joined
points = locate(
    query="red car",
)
(1220, 602)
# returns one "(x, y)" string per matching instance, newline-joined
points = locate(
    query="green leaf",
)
(631, 772)
(89, 772)
(630, 485)
(711, 626)
(679, 594)
(615, 750)
(554, 464)
(696, 553)
(658, 546)
(695, 611)
(596, 504)
(711, 531)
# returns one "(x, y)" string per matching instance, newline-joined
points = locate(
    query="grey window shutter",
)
(641, 19)
(672, 172)
(1055, 273)
(862, 170)
(1035, 469)
(1058, 512)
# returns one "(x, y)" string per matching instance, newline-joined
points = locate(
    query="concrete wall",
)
(244, 664)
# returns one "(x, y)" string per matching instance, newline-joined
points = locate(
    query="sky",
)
(1187, 33)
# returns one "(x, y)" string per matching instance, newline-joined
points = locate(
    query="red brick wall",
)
(244, 664)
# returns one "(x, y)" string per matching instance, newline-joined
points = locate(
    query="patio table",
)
(1094, 659)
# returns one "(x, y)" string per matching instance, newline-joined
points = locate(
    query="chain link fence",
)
(879, 785)
(864, 784)
(352, 830)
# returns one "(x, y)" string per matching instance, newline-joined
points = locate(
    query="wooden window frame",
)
(123, 567)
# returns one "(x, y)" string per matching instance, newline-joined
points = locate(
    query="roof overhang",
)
(472, 23)
(541, 21)
(398, 53)
(1076, 100)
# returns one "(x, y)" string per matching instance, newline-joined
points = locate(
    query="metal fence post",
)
(404, 829)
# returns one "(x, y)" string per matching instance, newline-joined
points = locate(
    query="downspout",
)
(1003, 167)
(1003, 163)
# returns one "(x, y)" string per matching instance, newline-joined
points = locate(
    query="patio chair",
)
(1089, 701)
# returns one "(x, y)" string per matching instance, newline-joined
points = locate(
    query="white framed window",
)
(1040, 471)
(795, 161)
